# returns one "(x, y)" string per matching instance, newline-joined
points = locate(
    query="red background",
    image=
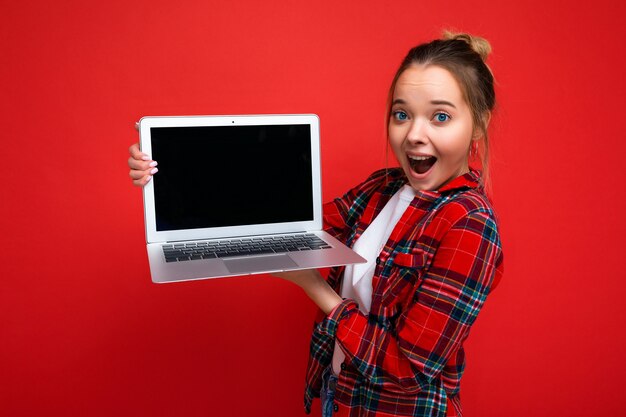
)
(83, 331)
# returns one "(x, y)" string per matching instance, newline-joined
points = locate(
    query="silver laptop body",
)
(235, 195)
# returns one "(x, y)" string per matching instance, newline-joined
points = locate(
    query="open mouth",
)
(421, 164)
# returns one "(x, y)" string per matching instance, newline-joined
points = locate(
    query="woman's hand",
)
(142, 168)
(314, 286)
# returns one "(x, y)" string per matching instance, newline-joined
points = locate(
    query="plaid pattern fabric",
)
(432, 277)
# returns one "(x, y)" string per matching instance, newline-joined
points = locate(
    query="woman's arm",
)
(340, 215)
(315, 286)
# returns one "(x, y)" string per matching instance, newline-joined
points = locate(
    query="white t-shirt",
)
(357, 279)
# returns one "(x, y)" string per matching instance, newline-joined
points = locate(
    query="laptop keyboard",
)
(178, 252)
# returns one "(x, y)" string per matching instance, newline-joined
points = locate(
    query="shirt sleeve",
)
(340, 215)
(408, 356)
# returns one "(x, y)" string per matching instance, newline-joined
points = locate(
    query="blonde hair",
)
(480, 45)
(464, 56)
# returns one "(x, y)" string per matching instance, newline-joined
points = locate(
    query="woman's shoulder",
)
(466, 203)
(383, 177)
(391, 174)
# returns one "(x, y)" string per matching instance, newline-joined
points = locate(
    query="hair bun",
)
(479, 45)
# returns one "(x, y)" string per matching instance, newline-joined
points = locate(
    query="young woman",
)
(390, 341)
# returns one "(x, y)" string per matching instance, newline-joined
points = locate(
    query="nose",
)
(417, 133)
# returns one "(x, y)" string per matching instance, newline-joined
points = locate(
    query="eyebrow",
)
(443, 102)
(435, 102)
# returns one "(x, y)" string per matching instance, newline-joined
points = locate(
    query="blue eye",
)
(400, 115)
(442, 117)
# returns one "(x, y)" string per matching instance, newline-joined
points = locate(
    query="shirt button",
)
(335, 407)
(378, 260)
(343, 366)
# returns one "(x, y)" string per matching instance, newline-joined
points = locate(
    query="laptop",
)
(235, 195)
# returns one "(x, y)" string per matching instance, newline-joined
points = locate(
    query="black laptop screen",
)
(216, 176)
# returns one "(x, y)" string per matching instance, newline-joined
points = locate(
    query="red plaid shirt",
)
(432, 277)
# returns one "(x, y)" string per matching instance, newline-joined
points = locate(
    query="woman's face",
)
(431, 127)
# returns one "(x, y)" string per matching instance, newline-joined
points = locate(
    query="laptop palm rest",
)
(267, 263)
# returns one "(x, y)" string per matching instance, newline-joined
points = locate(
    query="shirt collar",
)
(469, 180)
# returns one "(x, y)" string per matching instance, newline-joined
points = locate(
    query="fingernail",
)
(153, 164)
(154, 171)
(148, 179)
(145, 157)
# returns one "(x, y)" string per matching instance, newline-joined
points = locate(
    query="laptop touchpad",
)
(260, 263)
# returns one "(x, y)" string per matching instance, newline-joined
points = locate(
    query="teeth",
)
(419, 158)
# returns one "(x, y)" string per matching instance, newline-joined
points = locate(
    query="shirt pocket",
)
(406, 273)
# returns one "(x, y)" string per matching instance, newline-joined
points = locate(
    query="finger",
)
(135, 174)
(137, 154)
(141, 165)
(142, 181)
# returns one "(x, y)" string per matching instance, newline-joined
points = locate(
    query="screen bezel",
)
(154, 236)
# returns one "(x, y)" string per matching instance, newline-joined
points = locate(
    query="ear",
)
(486, 118)
(479, 133)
